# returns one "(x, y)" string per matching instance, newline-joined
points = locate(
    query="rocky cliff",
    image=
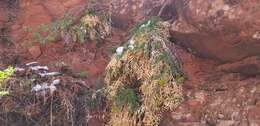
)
(216, 41)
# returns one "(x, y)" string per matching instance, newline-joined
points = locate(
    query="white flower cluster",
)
(49, 74)
(36, 68)
(120, 50)
(42, 88)
(43, 72)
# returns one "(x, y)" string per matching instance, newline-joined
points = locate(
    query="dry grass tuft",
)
(149, 70)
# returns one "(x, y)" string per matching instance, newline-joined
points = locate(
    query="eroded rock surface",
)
(125, 13)
(224, 30)
(214, 98)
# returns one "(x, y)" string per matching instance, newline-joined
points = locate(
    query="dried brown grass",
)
(152, 71)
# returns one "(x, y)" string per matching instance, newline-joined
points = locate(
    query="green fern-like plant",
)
(126, 98)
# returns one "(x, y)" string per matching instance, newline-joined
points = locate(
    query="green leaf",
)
(180, 78)
(127, 97)
(161, 82)
(6, 73)
(3, 93)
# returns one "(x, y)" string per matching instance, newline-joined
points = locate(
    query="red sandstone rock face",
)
(128, 12)
(224, 30)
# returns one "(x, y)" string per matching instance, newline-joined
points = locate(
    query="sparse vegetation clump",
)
(5, 74)
(90, 27)
(144, 77)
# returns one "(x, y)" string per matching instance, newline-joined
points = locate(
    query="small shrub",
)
(4, 75)
(91, 27)
(46, 33)
(148, 66)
